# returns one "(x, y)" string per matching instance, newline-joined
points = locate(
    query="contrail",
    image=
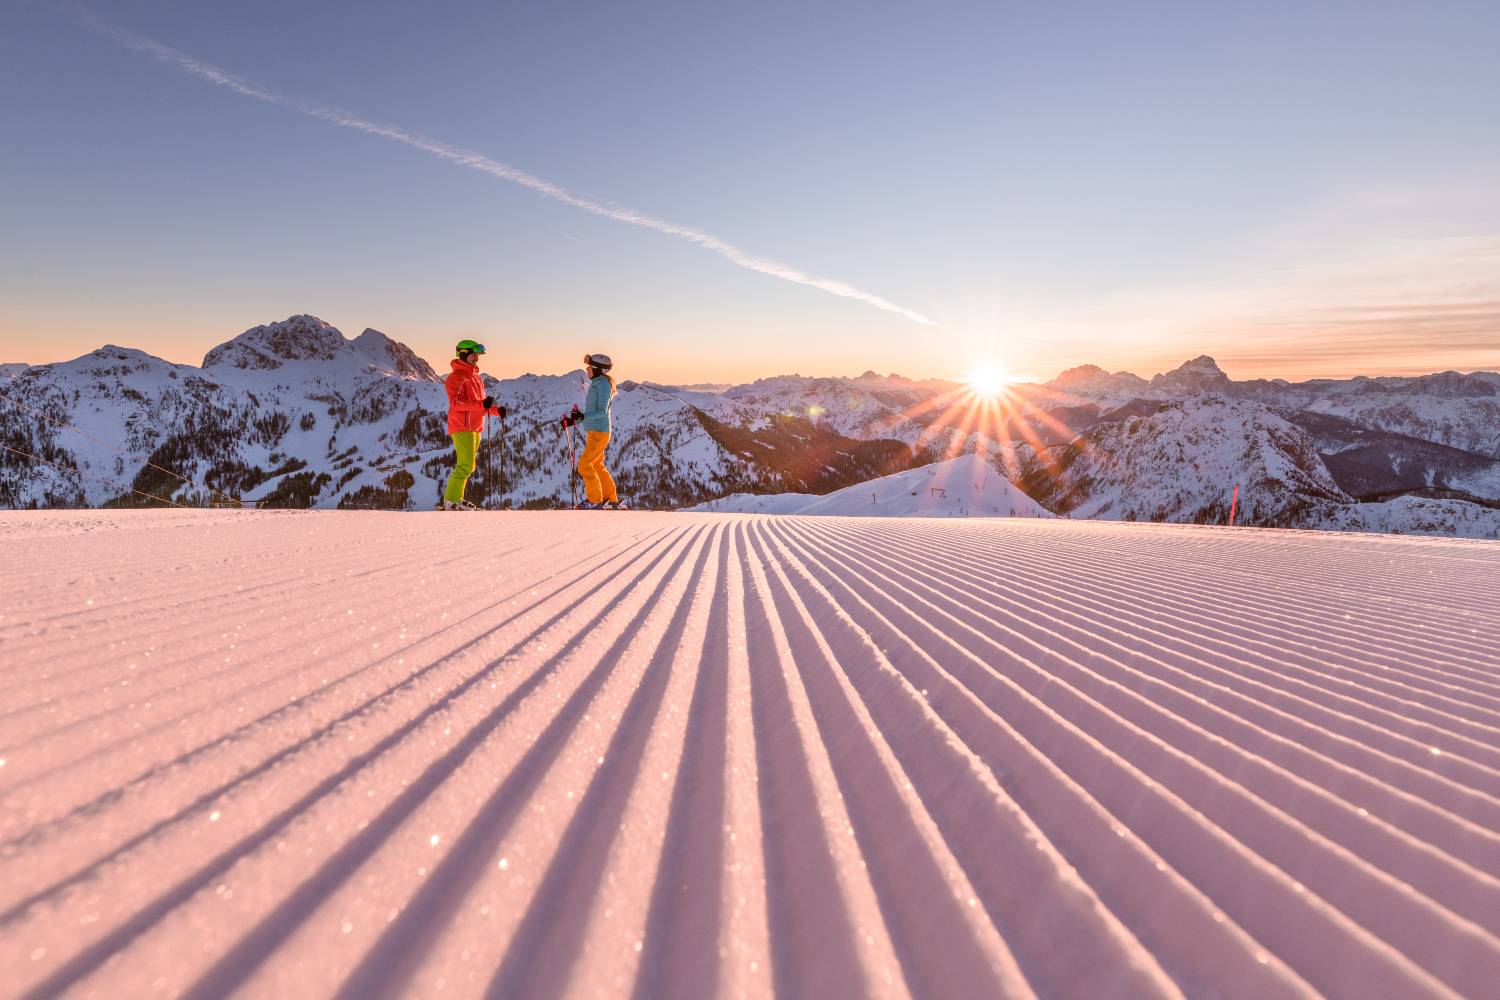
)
(477, 161)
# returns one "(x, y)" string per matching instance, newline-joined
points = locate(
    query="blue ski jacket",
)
(596, 410)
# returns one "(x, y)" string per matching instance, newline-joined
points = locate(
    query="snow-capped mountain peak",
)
(1182, 463)
(1453, 385)
(1092, 378)
(393, 357)
(113, 362)
(297, 338)
(1079, 376)
(1200, 374)
(303, 340)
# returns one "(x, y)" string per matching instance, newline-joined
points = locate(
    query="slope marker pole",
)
(1234, 504)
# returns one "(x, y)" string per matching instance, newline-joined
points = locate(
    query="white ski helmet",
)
(599, 361)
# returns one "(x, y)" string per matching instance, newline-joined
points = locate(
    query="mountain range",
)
(296, 414)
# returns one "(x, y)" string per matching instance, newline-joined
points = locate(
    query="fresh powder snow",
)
(368, 754)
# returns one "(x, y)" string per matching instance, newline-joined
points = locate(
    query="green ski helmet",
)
(465, 346)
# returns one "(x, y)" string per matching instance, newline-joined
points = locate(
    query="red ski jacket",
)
(466, 399)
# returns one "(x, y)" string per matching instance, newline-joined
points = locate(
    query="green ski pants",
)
(466, 447)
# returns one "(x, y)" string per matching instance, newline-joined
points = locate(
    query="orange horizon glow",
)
(548, 346)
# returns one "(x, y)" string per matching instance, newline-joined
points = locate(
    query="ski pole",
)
(572, 468)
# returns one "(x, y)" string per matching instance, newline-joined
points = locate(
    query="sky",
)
(715, 192)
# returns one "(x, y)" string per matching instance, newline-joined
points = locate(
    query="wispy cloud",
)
(477, 161)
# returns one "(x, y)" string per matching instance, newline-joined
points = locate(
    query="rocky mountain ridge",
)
(294, 413)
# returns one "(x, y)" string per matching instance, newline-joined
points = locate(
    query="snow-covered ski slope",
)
(288, 754)
(967, 486)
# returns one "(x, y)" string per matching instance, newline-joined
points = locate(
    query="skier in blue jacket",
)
(598, 484)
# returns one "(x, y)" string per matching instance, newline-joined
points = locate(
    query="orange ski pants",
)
(598, 484)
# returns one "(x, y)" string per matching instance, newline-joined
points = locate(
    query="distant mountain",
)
(1202, 374)
(296, 414)
(707, 388)
(795, 453)
(870, 406)
(933, 417)
(968, 486)
(1444, 385)
(1373, 463)
(301, 339)
(1092, 378)
(1470, 423)
(1413, 515)
(1448, 408)
(1182, 464)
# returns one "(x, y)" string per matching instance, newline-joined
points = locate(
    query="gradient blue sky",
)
(1295, 188)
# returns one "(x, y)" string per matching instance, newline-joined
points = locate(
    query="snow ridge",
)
(726, 754)
(967, 486)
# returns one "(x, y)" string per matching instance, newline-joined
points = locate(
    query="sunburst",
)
(987, 380)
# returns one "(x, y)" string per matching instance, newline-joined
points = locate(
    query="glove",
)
(577, 414)
(489, 402)
(504, 413)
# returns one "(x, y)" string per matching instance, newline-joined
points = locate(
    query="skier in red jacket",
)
(467, 408)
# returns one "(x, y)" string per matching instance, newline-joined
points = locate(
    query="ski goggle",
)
(470, 347)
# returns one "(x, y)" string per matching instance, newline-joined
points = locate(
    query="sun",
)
(987, 379)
